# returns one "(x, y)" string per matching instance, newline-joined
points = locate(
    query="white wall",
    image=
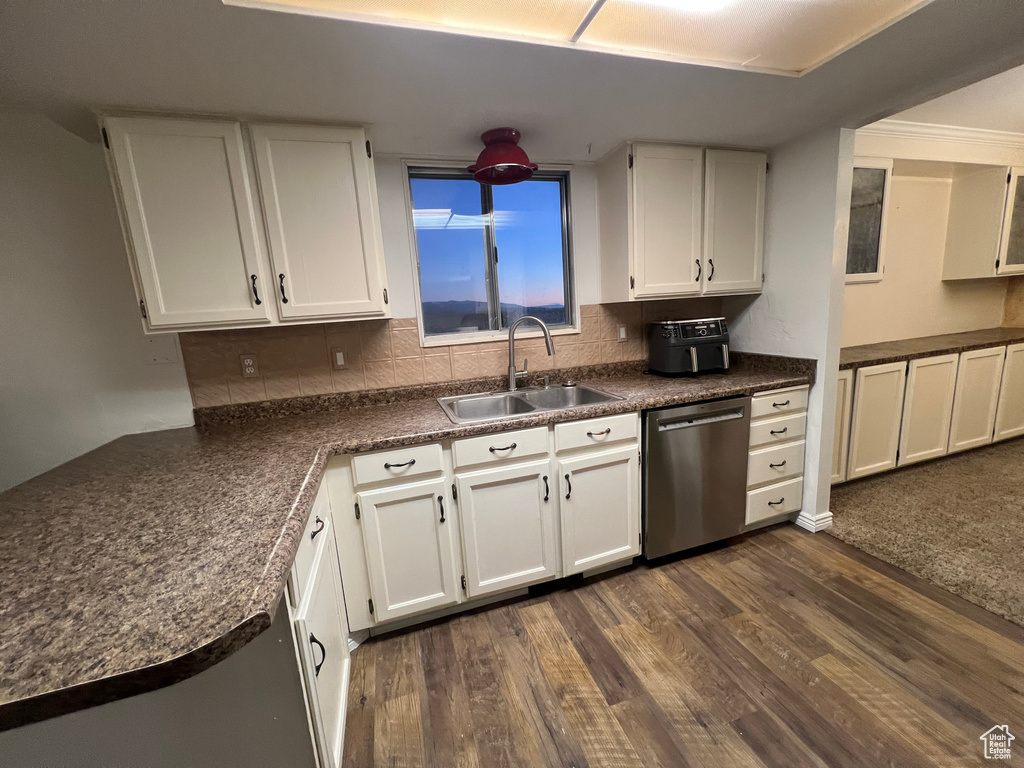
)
(912, 300)
(800, 312)
(72, 351)
(398, 247)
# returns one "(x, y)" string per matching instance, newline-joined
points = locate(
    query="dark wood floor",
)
(785, 649)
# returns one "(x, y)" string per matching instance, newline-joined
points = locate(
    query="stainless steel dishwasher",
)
(695, 474)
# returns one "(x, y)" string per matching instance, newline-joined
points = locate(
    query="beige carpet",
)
(957, 521)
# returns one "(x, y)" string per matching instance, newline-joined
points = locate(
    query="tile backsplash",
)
(1013, 315)
(297, 360)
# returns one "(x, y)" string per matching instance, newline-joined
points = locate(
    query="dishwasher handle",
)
(684, 422)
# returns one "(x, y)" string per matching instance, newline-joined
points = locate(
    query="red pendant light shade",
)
(502, 161)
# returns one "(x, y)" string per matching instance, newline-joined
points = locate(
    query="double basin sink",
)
(463, 409)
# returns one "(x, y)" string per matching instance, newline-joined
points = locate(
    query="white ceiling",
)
(995, 104)
(430, 93)
(755, 35)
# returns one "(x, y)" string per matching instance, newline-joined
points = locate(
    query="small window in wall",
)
(868, 201)
(490, 254)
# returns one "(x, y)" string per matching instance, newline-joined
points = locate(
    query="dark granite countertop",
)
(153, 557)
(926, 346)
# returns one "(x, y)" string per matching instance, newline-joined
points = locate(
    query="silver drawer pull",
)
(776, 466)
(512, 447)
(776, 503)
(602, 433)
(780, 405)
(408, 463)
(782, 431)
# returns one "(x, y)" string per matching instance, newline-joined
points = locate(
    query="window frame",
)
(875, 163)
(455, 169)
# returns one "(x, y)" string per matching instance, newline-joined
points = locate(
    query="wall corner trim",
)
(814, 523)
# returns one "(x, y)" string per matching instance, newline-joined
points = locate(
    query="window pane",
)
(451, 238)
(531, 267)
(865, 220)
(1015, 237)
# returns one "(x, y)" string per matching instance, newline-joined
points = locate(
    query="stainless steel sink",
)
(462, 409)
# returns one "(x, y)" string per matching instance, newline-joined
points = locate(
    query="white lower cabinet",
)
(927, 408)
(1010, 414)
(600, 504)
(321, 634)
(508, 518)
(977, 396)
(844, 412)
(409, 535)
(875, 429)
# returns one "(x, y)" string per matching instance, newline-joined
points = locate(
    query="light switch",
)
(250, 366)
(622, 332)
(338, 358)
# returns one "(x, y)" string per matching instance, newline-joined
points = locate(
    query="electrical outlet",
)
(250, 366)
(338, 358)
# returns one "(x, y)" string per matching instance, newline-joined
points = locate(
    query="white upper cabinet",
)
(188, 211)
(985, 231)
(666, 216)
(1011, 244)
(320, 203)
(219, 234)
(680, 221)
(734, 191)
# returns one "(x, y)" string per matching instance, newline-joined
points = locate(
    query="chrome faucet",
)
(513, 374)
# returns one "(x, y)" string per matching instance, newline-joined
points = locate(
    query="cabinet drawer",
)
(777, 403)
(770, 465)
(318, 528)
(597, 432)
(779, 430)
(500, 447)
(773, 500)
(397, 465)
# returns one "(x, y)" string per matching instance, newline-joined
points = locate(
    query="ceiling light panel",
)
(790, 36)
(542, 20)
(782, 36)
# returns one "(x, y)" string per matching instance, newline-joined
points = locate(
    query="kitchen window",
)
(869, 200)
(488, 255)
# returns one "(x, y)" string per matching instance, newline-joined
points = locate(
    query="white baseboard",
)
(815, 523)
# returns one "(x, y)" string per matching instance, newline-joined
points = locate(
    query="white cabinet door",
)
(667, 184)
(600, 504)
(320, 201)
(321, 633)
(190, 218)
(841, 441)
(928, 408)
(877, 408)
(507, 516)
(1011, 244)
(1010, 414)
(734, 191)
(409, 536)
(977, 396)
